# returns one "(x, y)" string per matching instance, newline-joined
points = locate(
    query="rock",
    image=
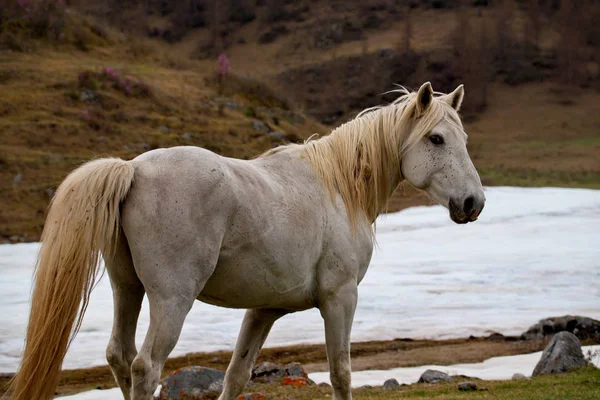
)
(187, 136)
(251, 396)
(277, 136)
(362, 387)
(88, 96)
(562, 354)
(467, 386)
(260, 126)
(519, 377)
(391, 384)
(582, 327)
(268, 372)
(295, 369)
(164, 129)
(191, 382)
(433, 376)
(327, 385)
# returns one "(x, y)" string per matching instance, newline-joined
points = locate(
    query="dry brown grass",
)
(46, 129)
(530, 135)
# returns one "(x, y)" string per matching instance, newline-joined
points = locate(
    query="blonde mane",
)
(361, 159)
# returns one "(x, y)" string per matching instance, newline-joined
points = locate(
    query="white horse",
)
(285, 232)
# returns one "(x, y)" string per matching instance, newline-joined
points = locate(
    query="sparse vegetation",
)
(581, 385)
(538, 131)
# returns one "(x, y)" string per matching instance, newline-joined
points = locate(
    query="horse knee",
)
(114, 356)
(340, 378)
(140, 367)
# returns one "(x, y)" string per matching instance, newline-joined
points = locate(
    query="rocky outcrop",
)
(562, 354)
(582, 327)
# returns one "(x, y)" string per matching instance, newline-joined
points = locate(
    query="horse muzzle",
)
(467, 210)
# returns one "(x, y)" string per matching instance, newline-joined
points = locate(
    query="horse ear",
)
(455, 98)
(424, 98)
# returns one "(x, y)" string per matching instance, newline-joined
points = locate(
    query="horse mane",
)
(361, 159)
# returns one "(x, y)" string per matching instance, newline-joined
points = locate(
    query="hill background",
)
(81, 80)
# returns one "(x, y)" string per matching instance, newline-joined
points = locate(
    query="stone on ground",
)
(391, 384)
(562, 354)
(434, 376)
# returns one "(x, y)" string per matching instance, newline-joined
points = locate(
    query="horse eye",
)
(436, 139)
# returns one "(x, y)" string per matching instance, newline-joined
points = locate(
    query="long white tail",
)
(83, 220)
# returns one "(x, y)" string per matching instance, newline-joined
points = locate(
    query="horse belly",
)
(248, 280)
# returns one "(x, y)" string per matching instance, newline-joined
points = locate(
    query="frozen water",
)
(533, 253)
(497, 368)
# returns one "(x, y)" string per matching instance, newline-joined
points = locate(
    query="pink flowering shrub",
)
(109, 78)
(223, 64)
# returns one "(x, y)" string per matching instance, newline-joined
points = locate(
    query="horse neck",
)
(365, 153)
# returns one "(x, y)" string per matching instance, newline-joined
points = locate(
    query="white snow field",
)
(534, 253)
(497, 368)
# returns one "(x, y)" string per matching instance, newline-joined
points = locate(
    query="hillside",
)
(65, 97)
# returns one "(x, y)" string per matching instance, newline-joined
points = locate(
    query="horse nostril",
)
(468, 206)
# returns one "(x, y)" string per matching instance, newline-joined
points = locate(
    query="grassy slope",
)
(530, 135)
(46, 130)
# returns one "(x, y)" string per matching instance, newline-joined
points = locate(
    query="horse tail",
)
(83, 221)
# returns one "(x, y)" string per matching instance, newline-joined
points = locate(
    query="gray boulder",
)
(433, 376)
(562, 354)
(391, 384)
(582, 327)
(191, 382)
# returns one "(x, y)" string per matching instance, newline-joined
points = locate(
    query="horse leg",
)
(337, 311)
(255, 328)
(128, 293)
(167, 314)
